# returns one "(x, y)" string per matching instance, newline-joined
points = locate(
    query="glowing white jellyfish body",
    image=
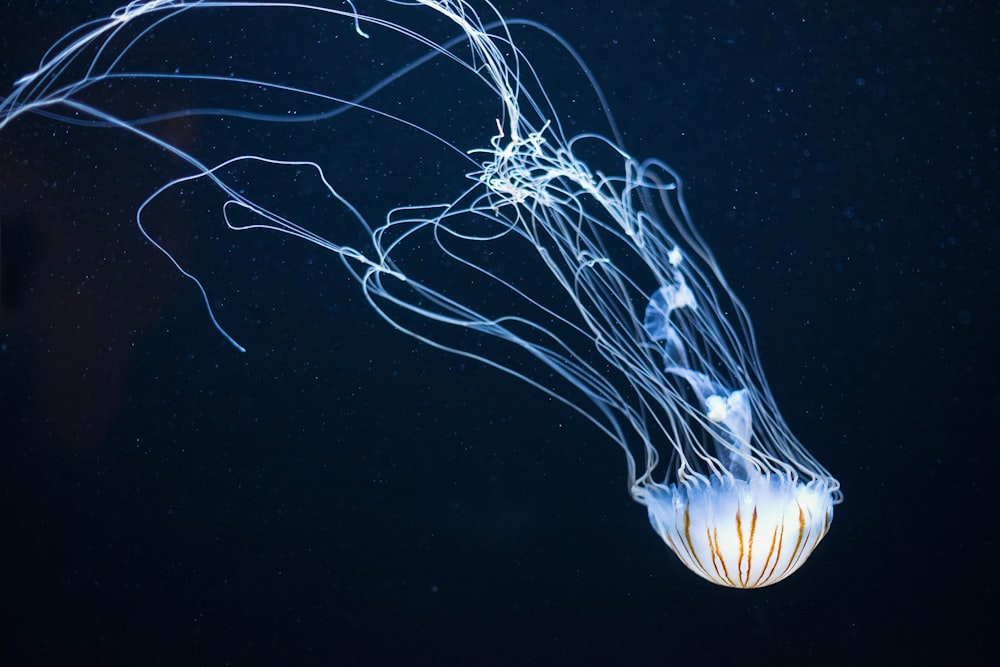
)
(741, 517)
(594, 288)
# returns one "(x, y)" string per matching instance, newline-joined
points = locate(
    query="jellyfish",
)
(558, 258)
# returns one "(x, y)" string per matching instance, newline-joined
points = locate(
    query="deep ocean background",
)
(342, 495)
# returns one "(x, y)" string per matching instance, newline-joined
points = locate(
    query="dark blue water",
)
(341, 495)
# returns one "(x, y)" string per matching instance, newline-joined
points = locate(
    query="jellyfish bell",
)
(615, 306)
(742, 533)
